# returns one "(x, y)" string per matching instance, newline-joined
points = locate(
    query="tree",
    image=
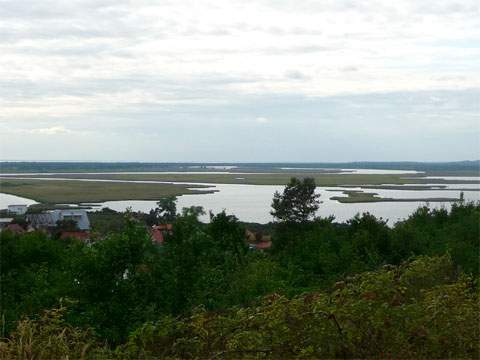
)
(228, 235)
(67, 225)
(298, 203)
(165, 212)
(167, 209)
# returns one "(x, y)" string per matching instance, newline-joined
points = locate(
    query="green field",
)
(67, 191)
(355, 196)
(321, 179)
(71, 191)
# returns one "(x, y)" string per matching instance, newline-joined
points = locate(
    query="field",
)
(321, 179)
(355, 196)
(59, 191)
(63, 188)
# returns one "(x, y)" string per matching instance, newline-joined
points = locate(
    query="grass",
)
(68, 191)
(71, 191)
(321, 179)
(355, 196)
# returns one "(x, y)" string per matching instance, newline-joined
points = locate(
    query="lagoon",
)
(251, 203)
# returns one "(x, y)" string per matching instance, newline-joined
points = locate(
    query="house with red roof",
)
(158, 232)
(258, 241)
(15, 228)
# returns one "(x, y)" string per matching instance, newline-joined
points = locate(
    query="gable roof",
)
(15, 228)
(157, 236)
(262, 245)
(168, 227)
(50, 218)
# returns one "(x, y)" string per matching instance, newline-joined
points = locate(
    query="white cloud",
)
(262, 120)
(48, 131)
(118, 64)
(54, 130)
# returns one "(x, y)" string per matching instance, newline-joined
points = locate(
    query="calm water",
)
(226, 170)
(252, 202)
(7, 199)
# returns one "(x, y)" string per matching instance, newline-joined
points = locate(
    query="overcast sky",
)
(228, 80)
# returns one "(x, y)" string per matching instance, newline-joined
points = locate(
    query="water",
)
(7, 199)
(251, 203)
(357, 171)
(226, 170)
(456, 178)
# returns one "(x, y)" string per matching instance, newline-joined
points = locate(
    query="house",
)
(258, 241)
(43, 220)
(79, 216)
(49, 219)
(15, 228)
(4, 222)
(17, 209)
(157, 233)
(157, 236)
(262, 245)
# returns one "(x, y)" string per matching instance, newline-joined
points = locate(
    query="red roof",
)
(157, 236)
(80, 235)
(15, 228)
(167, 227)
(263, 245)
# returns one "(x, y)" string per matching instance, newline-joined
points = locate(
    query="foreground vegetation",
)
(422, 309)
(325, 290)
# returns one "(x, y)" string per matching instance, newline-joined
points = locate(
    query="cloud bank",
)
(265, 80)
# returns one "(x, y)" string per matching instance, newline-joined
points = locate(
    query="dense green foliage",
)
(298, 203)
(419, 310)
(204, 294)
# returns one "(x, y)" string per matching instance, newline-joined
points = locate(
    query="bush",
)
(418, 310)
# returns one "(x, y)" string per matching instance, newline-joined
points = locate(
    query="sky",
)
(240, 80)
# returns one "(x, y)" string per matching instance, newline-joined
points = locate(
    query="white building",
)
(79, 216)
(50, 218)
(17, 209)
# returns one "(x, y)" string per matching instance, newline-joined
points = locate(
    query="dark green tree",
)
(228, 235)
(164, 213)
(298, 203)
(67, 225)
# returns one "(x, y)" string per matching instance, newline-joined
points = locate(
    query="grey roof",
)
(41, 220)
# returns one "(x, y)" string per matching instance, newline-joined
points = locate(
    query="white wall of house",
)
(79, 216)
(17, 209)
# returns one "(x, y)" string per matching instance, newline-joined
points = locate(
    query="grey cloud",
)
(296, 75)
(349, 69)
(131, 68)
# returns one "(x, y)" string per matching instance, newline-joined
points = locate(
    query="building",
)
(4, 222)
(257, 240)
(157, 233)
(17, 209)
(262, 245)
(15, 228)
(49, 219)
(79, 216)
